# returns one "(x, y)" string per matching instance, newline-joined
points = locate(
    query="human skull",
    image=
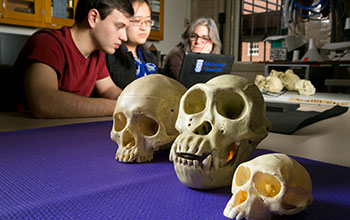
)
(144, 117)
(305, 87)
(220, 123)
(271, 183)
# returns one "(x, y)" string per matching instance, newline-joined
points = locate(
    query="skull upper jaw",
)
(142, 152)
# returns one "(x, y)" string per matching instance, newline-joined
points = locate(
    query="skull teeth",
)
(196, 163)
(125, 157)
(186, 159)
(207, 163)
(128, 156)
(200, 160)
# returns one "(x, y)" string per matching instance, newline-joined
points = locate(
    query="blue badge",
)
(199, 66)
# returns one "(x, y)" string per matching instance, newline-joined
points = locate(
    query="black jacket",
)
(122, 68)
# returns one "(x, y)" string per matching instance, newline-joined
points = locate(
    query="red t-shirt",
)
(75, 73)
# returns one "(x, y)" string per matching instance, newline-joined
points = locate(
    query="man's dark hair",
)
(104, 7)
(141, 1)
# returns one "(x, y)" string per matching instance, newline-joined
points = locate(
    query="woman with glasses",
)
(201, 36)
(133, 60)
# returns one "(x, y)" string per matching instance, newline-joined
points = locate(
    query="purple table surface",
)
(69, 172)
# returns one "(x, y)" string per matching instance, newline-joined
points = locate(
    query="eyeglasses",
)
(138, 22)
(204, 38)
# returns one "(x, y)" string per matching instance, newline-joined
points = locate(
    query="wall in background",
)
(10, 46)
(176, 16)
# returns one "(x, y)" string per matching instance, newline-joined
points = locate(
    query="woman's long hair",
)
(185, 43)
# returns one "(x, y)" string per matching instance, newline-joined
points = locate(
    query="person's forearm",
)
(111, 93)
(67, 105)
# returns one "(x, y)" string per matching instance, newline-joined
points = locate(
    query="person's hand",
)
(207, 48)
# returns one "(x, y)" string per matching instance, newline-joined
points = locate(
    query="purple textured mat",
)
(69, 172)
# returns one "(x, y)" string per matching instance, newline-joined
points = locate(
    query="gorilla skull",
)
(220, 124)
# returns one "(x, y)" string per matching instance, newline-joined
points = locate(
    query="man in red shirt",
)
(57, 70)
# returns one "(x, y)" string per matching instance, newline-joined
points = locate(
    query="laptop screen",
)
(201, 67)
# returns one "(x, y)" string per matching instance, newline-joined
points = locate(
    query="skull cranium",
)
(305, 87)
(273, 84)
(220, 123)
(271, 183)
(289, 78)
(270, 83)
(144, 117)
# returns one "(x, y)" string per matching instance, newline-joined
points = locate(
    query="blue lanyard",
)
(142, 68)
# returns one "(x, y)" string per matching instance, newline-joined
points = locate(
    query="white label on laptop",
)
(199, 65)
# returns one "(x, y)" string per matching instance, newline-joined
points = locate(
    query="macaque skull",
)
(305, 87)
(144, 117)
(270, 83)
(289, 78)
(221, 123)
(260, 82)
(269, 184)
(273, 84)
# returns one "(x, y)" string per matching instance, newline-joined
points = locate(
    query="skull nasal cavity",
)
(230, 104)
(119, 121)
(195, 101)
(240, 198)
(128, 139)
(146, 125)
(203, 129)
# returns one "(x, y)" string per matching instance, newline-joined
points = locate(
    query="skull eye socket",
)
(146, 125)
(195, 102)
(266, 184)
(119, 121)
(242, 176)
(230, 104)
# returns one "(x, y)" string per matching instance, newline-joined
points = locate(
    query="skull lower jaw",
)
(206, 176)
(199, 179)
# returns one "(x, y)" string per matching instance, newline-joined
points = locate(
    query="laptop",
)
(201, 67)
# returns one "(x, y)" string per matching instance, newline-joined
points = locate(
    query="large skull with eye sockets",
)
(268, 184)
(221, 123)
(144, 117)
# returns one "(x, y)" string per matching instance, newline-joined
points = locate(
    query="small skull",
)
(305, 87)
(289, 78)
(273, 84)
(270, 83)
(260, 82)
(269, 184)
(221, 123)
(144, 117)
(279, 74)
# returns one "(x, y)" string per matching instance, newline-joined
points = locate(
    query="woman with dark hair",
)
(133, 60)
(201, 36)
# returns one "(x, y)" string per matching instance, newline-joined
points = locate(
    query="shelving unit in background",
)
(37, 13)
